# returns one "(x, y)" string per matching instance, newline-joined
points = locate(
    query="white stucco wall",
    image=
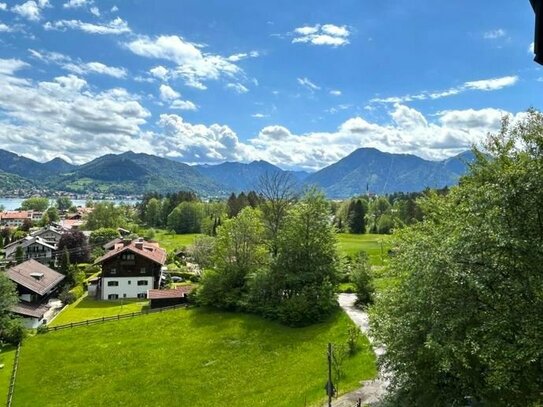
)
(127, 285)
(31, 323)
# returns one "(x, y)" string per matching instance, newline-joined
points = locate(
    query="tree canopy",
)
(35, 204)
(11, 329)
(463, 324)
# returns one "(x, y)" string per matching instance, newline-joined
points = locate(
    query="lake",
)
(11, 204)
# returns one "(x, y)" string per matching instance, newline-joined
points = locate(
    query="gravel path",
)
(371, 390)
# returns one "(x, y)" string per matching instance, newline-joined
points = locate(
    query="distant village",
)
(130, 267)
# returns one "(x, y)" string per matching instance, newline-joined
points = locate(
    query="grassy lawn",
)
(375, 245)
(7, 357)
(89, 308)
(171, 241)
(193, 357)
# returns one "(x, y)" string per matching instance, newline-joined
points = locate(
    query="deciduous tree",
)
(239, 251)
(64, 203)
(463, 324)
(303, 275)
(76, 244)
(35, 204)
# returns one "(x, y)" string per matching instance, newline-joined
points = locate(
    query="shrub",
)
(42, 329)
(312, 305)
(13, 331)
(70, 296)
(352, 339)
(362, 280)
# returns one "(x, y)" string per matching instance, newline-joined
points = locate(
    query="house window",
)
(128, 256)
(113, 297)
(129, 282)
(112, 283)
(142, 270)
(142, 295)
(113, 271)
(124, 295)
(143, 282)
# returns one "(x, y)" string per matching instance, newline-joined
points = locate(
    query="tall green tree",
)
(106, 215)
(76, 244)
(52, 215)
(362, 279)
(235, 204)
(186, 218)
(463, 324)
(11, 329)
(35, 204)
(239, 252)
(356, 217)
(64, 265)
(64, 203)
(303, 275)
(278, 192)
(19, 255)
(153, 213)
(99, 237)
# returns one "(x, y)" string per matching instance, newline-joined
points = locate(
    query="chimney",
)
(139, 244)
(126, 242)
(37, 276)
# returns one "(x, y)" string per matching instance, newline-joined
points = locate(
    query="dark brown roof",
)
(30, 310)
(151, 251)
(112, 243)
(178, 292)
(22, 275)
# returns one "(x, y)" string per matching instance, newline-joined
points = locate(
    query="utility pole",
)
(330, 391)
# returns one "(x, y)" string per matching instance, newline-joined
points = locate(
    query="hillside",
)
(22, 166)
(130, 173)
(58, 166)
(11, 182)
(368, 169)
(237, 177)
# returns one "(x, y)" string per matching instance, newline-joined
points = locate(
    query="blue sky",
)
(298, 83)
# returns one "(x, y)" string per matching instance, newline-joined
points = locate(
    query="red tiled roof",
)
(151, 251)
(30, 310)
(15, 215)
(22, 275)
(178, 292)
(70, 223)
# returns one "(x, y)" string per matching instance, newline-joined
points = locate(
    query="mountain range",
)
(364, 170)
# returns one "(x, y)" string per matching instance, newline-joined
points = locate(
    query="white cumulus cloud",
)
(30, 10)
(193, 65)
(77, 66)
(37, 114)
(167, 93)
(114, 27)
(326, 34)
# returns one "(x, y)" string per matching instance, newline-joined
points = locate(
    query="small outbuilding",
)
(168, 298)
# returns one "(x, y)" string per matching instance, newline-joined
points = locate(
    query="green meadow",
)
(376, 246)
(194, 357)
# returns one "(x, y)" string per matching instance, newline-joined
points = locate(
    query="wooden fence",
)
(95, 321)
(13, 376)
